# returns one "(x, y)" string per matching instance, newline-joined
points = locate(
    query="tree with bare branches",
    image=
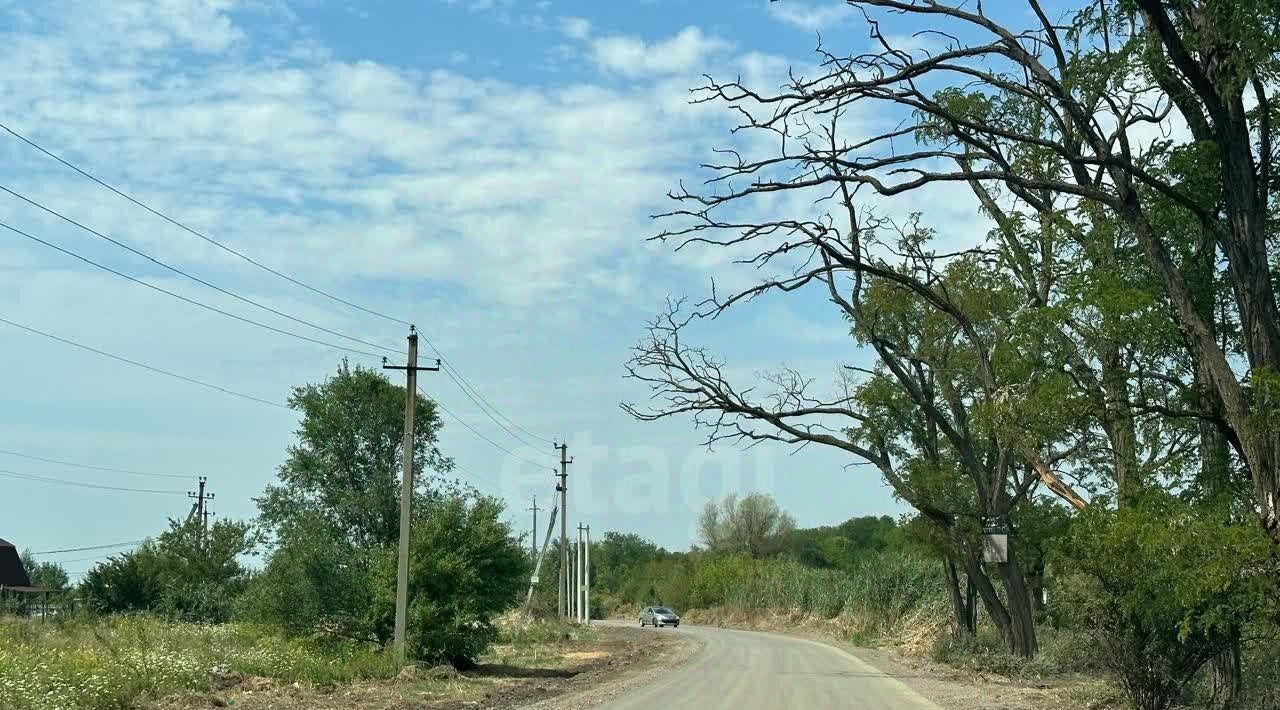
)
(1093, 330)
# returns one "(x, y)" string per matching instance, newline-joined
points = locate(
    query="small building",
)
(12, 573)
(16, 593)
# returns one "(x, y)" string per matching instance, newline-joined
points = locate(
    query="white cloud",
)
(359, 169)
(576, 27)
(813, 17)
(690, 50)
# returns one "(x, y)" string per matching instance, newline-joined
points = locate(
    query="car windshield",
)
(662, 610)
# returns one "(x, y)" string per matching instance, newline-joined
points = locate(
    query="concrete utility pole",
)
(533, 535)
(406, 487)
(537, 567)
(586, 580)
(581, 577)
(200, 510)
(563, 488)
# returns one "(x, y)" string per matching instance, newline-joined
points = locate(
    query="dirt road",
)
(746, 670)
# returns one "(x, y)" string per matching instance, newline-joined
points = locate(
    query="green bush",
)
(465, 569)
(1163, 588)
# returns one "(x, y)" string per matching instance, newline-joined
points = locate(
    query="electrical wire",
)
(128, 543)
(475, 401)
(180, 297)
(144, 366)
(80, 484)
(90, 466)
(461, 380)
(187, 275)
(473, 430)
(196, 233)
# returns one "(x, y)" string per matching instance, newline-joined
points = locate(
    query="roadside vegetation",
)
(186, 610)
(880, 582)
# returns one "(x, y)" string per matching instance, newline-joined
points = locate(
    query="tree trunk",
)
(990, 599)
(960, 605)
(1022, 626)
(971, 602)
(1227, 678)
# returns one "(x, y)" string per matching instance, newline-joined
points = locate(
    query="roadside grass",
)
(121, 662)
(100, 664)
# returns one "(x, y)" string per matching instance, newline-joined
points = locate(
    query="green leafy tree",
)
(186, 572)
(316, 580)
(333, 519)
(46, 575)
(127, 582)
(754, 525)
(466, 567)
(345, 465)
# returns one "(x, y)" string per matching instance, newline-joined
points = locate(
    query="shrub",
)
(1162, 589)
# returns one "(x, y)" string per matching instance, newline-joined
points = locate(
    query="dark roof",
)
(11, 572)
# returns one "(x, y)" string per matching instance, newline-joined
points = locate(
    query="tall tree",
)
(754, 525)
(345, 466)
(1072, 101)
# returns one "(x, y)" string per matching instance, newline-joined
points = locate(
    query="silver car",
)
(658, 616)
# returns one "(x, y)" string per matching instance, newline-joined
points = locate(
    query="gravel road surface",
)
(748, 670)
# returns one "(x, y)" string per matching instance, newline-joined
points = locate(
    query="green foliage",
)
(346, 463)
(753, 525)
(843, 545)
(123, 583)
(112, 663)
(315, 580)
(185, 573)
(1162, 588)
(334, 520)
(466, 567)
(46, 575)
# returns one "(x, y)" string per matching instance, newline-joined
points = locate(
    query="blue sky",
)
(484, 168)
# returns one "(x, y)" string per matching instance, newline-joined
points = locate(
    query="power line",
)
(187, 275)
(462, 381)
(91, 467)
(180, 297)
(493, 485)
(59, 481)
(448, 371)
(464, 384)
(128, 543)
(491, 442)
(144, 366)
(194, 232)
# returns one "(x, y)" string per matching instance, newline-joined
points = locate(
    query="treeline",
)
(327, 532)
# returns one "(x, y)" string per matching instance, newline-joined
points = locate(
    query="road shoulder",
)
(669, 650)
(946, 686)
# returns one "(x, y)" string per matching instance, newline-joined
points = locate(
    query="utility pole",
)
(580, 577)
(563, 488)
(200, 510)
(537, 566)
(533, 536)
(406, 487)
(586, 580)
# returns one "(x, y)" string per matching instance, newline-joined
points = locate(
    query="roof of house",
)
(12, 573)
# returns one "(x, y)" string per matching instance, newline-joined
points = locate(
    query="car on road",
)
(658, 616)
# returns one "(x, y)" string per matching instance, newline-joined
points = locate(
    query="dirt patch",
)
(507, 681)
(586, 655)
